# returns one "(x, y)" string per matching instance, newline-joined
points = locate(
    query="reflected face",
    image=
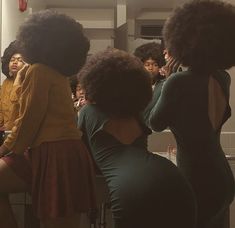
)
(15, 64)
(79, 92)
(151, 66)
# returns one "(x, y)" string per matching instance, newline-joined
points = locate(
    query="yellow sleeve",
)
(15, 93)
(1, 114)
(33, 105)
(14, 99)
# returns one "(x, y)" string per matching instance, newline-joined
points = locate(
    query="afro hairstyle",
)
(117, 82)
(12, 49)
(151, 50)
(201, 35)
(53, 39)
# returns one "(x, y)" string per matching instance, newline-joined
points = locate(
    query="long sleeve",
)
(156, 95)
(5, 104)
(163, 110)
(1, 111)
(14, 99)
(33, 107)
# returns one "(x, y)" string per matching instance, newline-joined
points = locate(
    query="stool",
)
(22, 207)
(99, 215)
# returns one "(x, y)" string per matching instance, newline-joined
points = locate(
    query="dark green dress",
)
(183, 107)
(145, 189)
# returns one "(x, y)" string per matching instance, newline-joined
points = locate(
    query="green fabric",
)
(144, 188)
(183, 107)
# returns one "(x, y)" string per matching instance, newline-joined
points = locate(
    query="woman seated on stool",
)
(57, 169)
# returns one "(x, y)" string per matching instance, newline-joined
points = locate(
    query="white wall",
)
(98, 25)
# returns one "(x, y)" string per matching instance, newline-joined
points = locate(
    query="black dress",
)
(183, 107)
(146, 190)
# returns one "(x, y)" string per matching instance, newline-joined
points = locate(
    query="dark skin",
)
(171, 67)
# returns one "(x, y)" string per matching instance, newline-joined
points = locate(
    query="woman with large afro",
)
(145, 188)
(151, 55)
(195, 104)
(44, 153)
(12, 62)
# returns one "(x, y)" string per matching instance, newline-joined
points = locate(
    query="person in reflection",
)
(145, 188)
(194, 104)
(44, 153)
(12, 62)
(77, 94)
(151, 55)
(153, 58)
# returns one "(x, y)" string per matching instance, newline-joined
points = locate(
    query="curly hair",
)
(12, 49)
(201, 35)
(151, 50)
(53, 39)
(117, 82)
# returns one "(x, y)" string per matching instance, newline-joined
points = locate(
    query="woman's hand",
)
(21, 75)
(3, 151)
(171, 67)
(80, 102)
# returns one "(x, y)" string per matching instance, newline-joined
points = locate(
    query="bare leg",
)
(9, 183)
(71, 222)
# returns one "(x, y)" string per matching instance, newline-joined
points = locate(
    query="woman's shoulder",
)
(6, 86)
(42, 70)
(92, 111)
(7, 81)
(91, 118)
(175, 81)
(89, 108)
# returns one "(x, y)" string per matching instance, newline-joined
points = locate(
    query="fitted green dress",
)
(145, 189)
(183, 107)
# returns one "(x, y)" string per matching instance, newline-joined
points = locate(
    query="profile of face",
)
(152, 67)
(15, 64)
(80, 95)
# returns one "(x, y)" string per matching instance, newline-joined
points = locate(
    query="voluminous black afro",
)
(53, 39)
(201, 35)
(117, 82)
(151, 50)
(12, 49)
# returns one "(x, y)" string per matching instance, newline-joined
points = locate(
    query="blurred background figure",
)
(78, 95)
(12, 62)
(151, 54)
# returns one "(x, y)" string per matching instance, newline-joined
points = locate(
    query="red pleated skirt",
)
(60, 176)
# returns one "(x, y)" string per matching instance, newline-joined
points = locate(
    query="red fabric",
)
(21, 166)
(62, 179)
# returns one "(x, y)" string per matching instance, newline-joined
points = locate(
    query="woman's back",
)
(189, 105)
(144, 188)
